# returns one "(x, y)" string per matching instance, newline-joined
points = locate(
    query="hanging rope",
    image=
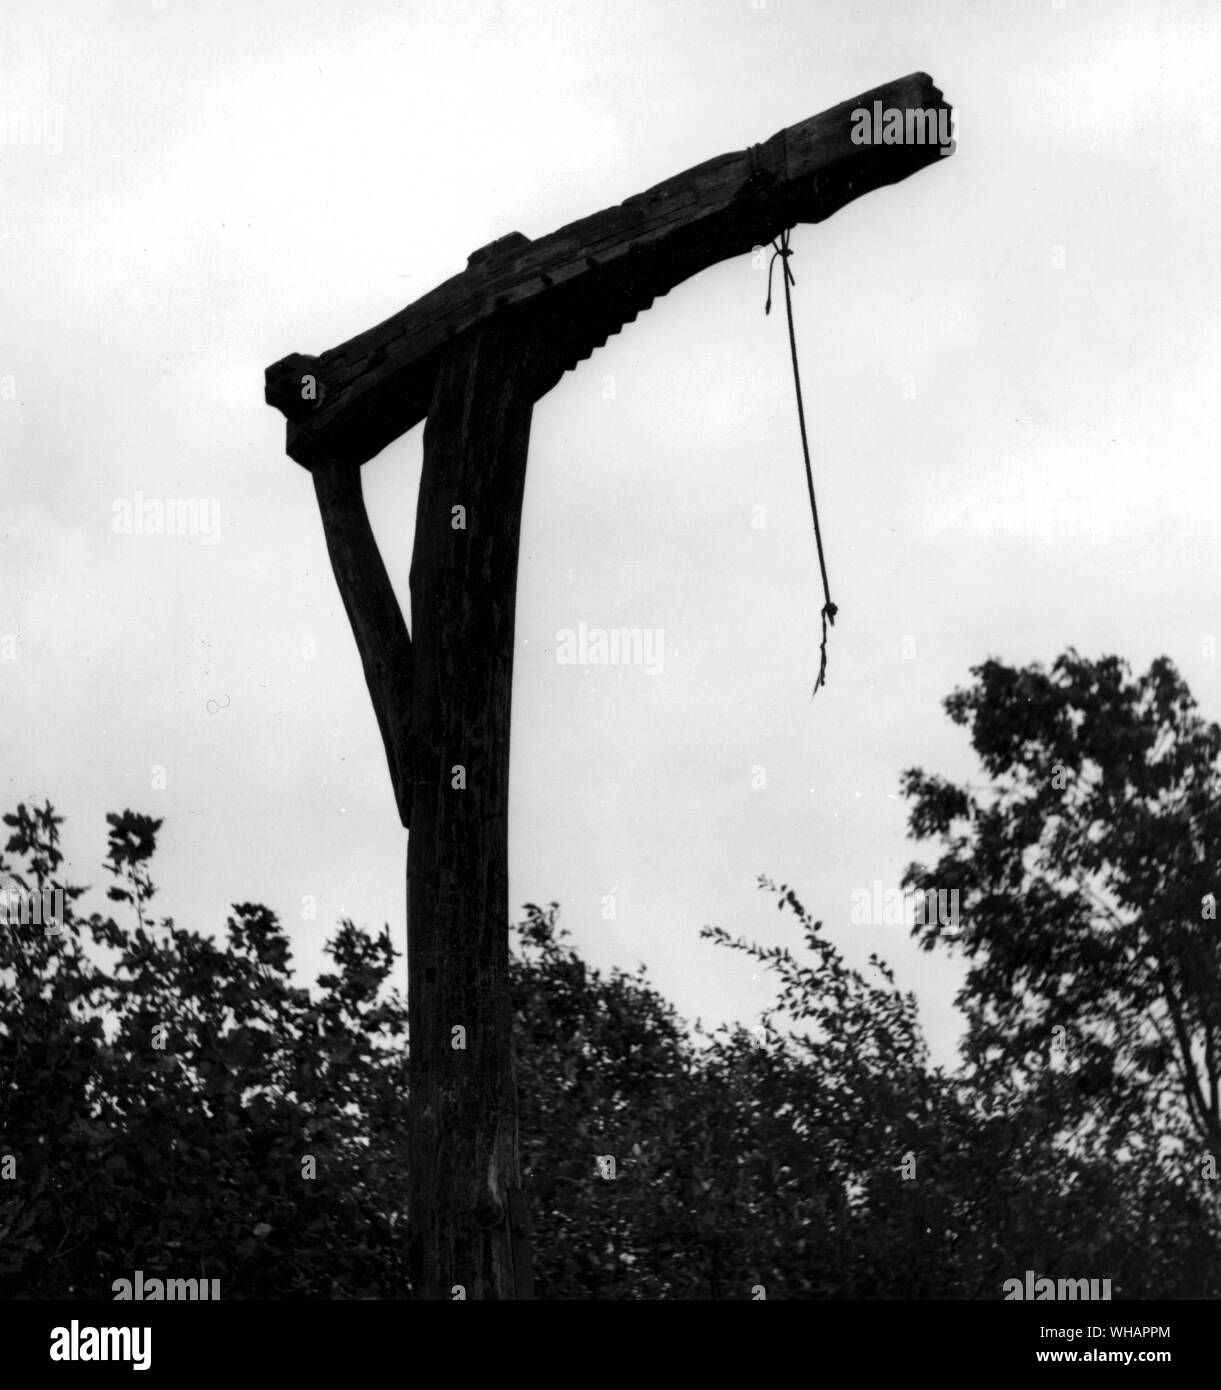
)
(782, 252)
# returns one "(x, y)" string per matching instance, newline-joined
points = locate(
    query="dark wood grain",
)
(374, 613)
(462, 1103)
(594, 275)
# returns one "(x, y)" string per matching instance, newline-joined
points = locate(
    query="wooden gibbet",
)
(471, 358)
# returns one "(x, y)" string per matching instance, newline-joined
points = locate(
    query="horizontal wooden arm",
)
(374, 613)
(585, 281)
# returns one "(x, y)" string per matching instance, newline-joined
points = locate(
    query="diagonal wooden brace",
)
(375, 615)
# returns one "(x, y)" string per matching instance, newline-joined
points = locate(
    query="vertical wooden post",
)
(465, 1211)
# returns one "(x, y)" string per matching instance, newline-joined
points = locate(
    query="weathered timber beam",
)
(583, 282)
(465, 1216)
(375, 615)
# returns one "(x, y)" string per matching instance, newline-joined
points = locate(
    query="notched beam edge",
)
(295, 385)
(376, 386)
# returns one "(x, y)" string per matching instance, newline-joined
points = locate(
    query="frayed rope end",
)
(829, 610)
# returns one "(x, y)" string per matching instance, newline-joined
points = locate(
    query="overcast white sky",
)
(1009, 359)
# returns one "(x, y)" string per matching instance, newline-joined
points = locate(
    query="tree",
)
(1086, 871)
(177, 1106)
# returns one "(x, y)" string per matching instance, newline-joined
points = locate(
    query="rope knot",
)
(782, 250)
